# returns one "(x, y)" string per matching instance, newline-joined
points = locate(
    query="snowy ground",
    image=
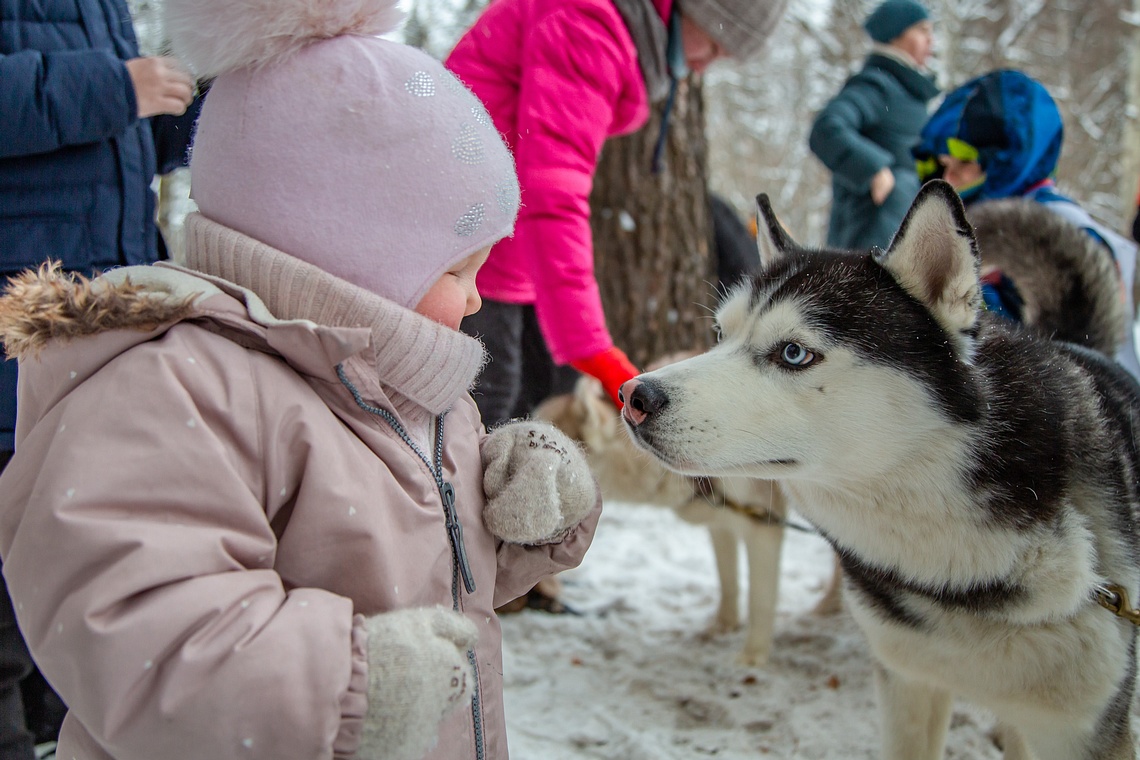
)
(634, 679)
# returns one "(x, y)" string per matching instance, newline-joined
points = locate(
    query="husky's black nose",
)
(642, 398)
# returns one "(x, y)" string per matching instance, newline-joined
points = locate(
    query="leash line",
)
(704, 488)
(1114, 598)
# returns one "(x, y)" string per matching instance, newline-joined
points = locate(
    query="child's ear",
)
(934, 257)
(772, 241)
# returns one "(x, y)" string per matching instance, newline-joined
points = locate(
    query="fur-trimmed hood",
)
(69, 326)
(48, 304)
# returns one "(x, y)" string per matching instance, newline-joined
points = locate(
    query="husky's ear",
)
(772, 242)
(935, 258)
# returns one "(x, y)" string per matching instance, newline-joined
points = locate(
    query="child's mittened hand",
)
(537, 483)
(418, 672)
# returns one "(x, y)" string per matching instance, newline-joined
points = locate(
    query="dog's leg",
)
(915, 717)
(1012, 743)
(724, 541)
(762, 543)
(832, 599)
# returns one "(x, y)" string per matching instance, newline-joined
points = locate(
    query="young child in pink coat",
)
(236, 524)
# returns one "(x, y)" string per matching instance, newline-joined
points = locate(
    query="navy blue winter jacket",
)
(76, 162)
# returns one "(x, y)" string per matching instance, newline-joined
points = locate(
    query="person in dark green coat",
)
(864, 134)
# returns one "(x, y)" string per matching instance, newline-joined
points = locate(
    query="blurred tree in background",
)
(652, 237)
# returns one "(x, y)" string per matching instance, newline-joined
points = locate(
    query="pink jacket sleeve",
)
(520, 567)
(575, 68)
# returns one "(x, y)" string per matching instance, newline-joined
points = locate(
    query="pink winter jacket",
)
(198, 514)
(558, 78)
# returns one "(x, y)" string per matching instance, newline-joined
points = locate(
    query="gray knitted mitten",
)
(417, 673)
(537, 483)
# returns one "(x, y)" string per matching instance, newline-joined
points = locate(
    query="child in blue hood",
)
(999, 135)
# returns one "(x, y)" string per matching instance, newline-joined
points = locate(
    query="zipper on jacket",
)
(455, 530)
(459, 565)
(477, 708)
(446, 490)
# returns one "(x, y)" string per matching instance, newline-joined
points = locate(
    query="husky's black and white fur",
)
(977, 481)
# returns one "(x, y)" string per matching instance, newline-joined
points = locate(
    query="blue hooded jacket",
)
(76, 162)
(1013, 123)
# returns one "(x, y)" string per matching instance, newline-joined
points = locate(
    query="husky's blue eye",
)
(796, 355)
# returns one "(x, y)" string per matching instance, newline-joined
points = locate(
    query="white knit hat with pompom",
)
(361, 156)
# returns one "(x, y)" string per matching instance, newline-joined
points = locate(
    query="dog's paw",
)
(754, 656)
(725, 621)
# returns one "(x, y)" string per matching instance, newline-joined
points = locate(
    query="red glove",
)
(612, 367)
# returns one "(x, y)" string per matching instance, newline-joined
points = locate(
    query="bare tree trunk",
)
(652, 238)
(1130, 141)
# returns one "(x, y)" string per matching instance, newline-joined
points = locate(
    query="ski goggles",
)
(929, 167)
(961, 150)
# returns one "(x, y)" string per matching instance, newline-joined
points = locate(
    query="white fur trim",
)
(216, 36)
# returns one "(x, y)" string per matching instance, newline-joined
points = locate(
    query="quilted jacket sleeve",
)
(838, 134)
(134, 531)
(574, 70)
(520, 567)
(52, 100)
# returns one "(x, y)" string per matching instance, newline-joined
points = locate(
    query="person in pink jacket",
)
(252, 511)
(559, 79)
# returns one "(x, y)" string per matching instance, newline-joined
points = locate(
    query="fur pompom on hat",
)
(361, 156)
(892, 18)
(739, 26)
(215, 36)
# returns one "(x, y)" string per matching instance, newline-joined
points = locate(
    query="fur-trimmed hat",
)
(739, 26)
(361, 156)
(892, 18)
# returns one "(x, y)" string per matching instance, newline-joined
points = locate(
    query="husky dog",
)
(1067, 282)
(736, 510)
(978, 482)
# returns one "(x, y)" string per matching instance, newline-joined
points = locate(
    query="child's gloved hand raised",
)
(537, 483)
(418, 672)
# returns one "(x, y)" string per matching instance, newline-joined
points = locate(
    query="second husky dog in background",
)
(1067, 281)
(978, 482)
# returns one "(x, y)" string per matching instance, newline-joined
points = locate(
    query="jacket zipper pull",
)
(455, 532)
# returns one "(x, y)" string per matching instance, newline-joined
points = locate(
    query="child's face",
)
(960, 174)
(454, 295)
